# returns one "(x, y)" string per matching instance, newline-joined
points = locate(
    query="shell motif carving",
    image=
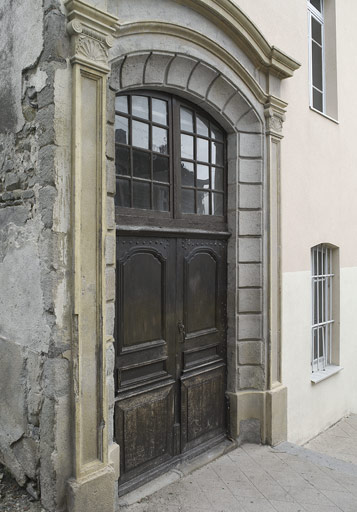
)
(92, 49)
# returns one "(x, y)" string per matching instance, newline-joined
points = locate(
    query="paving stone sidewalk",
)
(319, 477)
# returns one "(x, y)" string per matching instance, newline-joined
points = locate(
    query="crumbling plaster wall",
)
(35, 315)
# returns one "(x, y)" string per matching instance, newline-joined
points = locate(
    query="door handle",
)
(182, 331)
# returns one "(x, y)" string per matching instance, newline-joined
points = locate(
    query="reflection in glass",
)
(121, 130)
(316, 4)
(201, 126)
(188, 200)
(316, 30)
(186, 117)
(121, 103)
(202, 176)
(202, 149)
(217, 178)
(161, 198)
(161, 168)
(186, 146)
(159, 140)
(141, 164)
(216, 133)
(216, 153)
(122, 197)
(141, 195)
(159, 111)
(187, 174)
(217, 204)
(122, 160)
(317, 65)
(317, 100)
(140, 106)
(202, 202)
(140, 135)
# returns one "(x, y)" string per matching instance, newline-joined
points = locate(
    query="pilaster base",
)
(276, 415)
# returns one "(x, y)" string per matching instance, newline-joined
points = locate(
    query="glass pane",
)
(202, 149)
(140, 106)
(316, 4)
(141, 195)
(188, 200)
(202, 202)
(121, 103)
(159, 111)
(141, 164)
(317, 66)
(159, 140)
(217, 204)
(201, 126)
(202, 176)
(187, 146)
(121, 129)
(317, 101)
(140, 135)
(161, 168)
(316, 30)
(122, 160)
(216, 153)
(161, 198)
(216, 133)
(186, 119)
(187, 174)
(122, 197)
(217, 178)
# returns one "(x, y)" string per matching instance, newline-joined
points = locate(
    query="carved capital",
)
(274, 112)
(90, 30)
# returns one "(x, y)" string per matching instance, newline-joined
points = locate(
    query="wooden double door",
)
(171, 350)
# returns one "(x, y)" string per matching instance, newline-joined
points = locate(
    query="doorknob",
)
(182, 331)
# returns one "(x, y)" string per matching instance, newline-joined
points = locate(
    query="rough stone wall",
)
(34, 252)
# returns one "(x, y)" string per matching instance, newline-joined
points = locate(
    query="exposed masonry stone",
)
(110, 315)
(250, 274)
(110, 145)
(132, 71)
(250, 352)
(110, 213)
(251, 377)
(110, 283)
(110, 249)
(111, 182)
(250, 171)
(201, 78)
(250, 223)
(235, 107)
(249, 250)
(180, 70)
(250, 122)
(220, 92)
(250, 145)
(114, 77)
(250, 196)
(155, 68)
(250, 300)
(249, 326)
(110, 106)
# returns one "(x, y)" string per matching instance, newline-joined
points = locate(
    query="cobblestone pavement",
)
(319, 477)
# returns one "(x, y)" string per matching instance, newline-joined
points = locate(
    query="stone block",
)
(220, 92)
(155, 69)
(110, 106)
(250, 300)
(114, 77)
(110, 249)
(110, 142)
(276, 414)
(110, 283)
(250, 250)
(250, 275)
(111, 181)
(250, 171)
(249, 326)
(251, 377)
(46, 163)
(12, 181)
(250, 223)
(236, 107)
(201, 78)
(56, 379)
(47, 196)
(250, 145)
(110, 213)
(110, 317)
(250, 122)
(250, 196)
(250, 352)
(46, 131)
(26, 451)
(180, 70)
(93, 492)
(132, 72)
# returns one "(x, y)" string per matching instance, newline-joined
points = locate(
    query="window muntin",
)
(316, 55)
(153, 135)
(322, 311)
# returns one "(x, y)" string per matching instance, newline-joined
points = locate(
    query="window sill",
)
(324, 115)
(325, 374)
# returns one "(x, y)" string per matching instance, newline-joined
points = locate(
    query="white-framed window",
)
(322, 310)
(317, 55)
